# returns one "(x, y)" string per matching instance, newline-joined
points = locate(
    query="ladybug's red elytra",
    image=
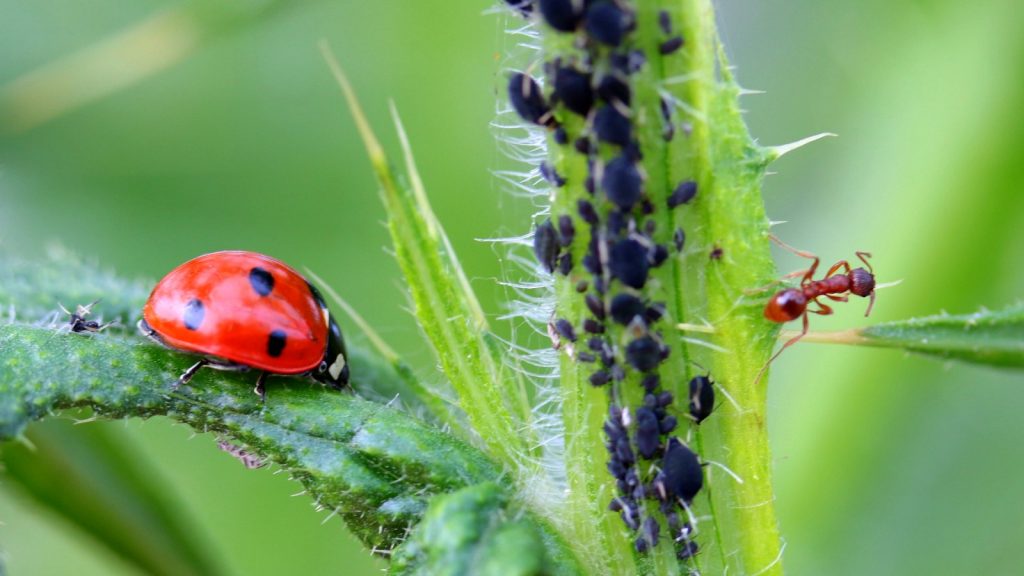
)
(243, 310)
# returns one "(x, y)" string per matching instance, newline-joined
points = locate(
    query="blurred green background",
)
(885, 463)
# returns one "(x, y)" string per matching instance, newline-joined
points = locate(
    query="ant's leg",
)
(871, 304)
(823, 309)
(835, 267)
(837, 298)
(864, 258)
(810, 271)
(789, 343)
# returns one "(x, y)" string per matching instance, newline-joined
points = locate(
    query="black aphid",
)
(573, 88)
(587, 212)
(566, 230)
(668, 130)
(611, 125)
(582, 286)
(614, 89)
(688, 550)
(648, 436)
(668, 424)
(565, 264)
(607, 23)
(671, 45)
(716, 253)
(549, 174)
(599, 378)
(702, 398)
(582, 145)
(658, 255)
(625, 307)
(618, 373)
(644, 353)
(561, 14)
(681, 475)
(561, 136)
(628, 263)
(683, 193)
(592, 326)
(651, 382)
(679, 239)
(525, 96)
(622, 182)
(654, 312)
(565, 329)
(617, 222)
(545, 245)
(524, 7)
(665, 22)
(595, 305)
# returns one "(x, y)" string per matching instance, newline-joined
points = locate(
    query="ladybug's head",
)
(333, 370)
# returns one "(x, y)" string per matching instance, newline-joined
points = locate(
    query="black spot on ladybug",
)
(561, 14)
(671, 45)
(628, 263)
(613, 126)
(573, 88)
(702, 398)
(525, 96)
(262, 282)
(194, 314)
(682, 194)
(622, 182)
(625, 307)
(607, 23)
(644, 353)
(276, 342)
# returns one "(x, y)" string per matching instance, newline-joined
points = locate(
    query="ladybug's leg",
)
(187, 375)
(260, 390)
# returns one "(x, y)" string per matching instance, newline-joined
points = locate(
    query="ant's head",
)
(862, 282)
(786, 305)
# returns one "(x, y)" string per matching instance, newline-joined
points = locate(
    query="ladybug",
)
(243, 310)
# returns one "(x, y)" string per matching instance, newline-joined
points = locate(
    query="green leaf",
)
(374, 465)
(444, 303)
(473, 531)
(992, 338)
(117, 499)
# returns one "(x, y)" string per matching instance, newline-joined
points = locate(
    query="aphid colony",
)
(656, 473)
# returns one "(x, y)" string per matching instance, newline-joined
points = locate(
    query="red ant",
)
(792, 303)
